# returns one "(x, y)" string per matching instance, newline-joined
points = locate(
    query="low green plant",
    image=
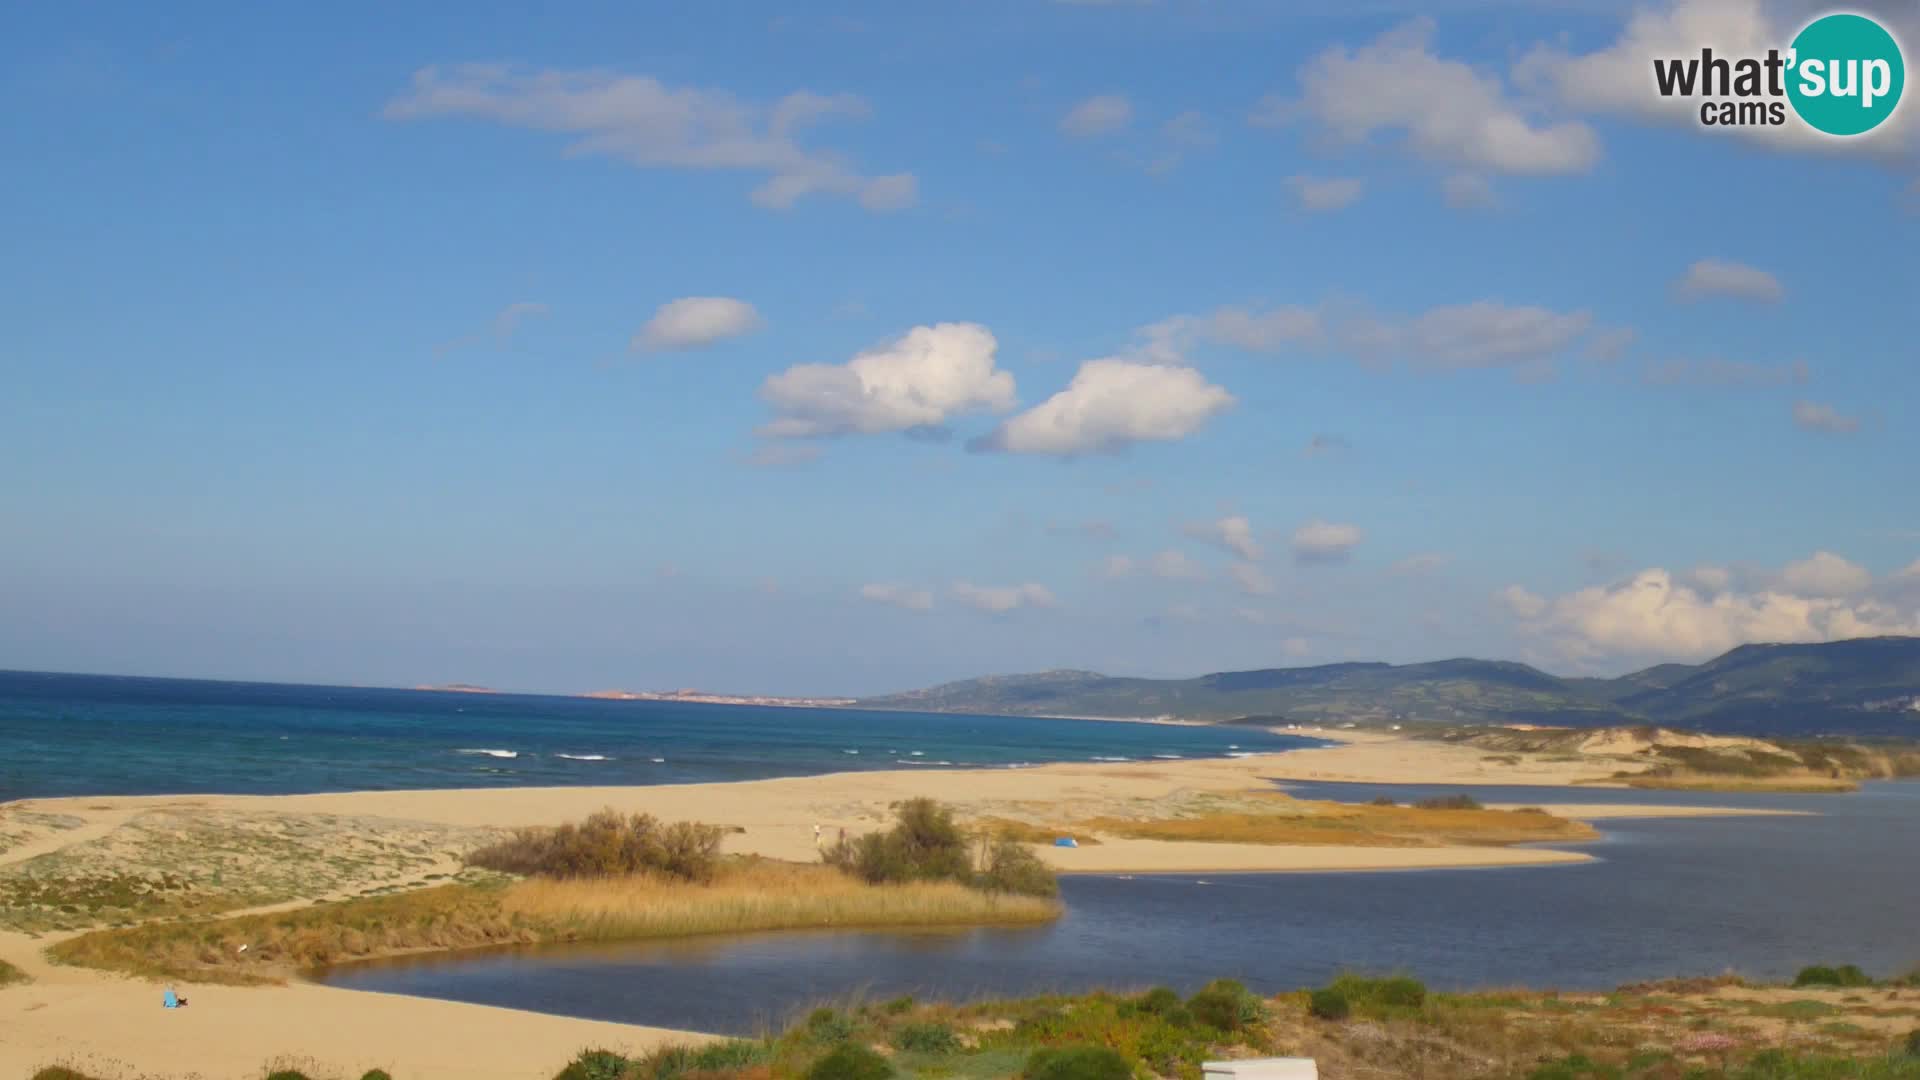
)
(1912, 1046)
(1328, 1003)
(850, 1061)
(828, 1026)
(287, 1074)
(376, 1074)
(929, 1037)
(594, 1065)
(1844, 975)
(1077, 1063)
(1226, 1005)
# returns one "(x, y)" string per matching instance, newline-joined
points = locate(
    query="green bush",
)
(1165, 1003)
(1844, 975)
(1077, 1063)
(1574, 1067)
(1912, 1047)
(376, 1074)
(1449, 802)
(850, 1061)
(1225, 1005)
(827, 1026)
(286, 1074)
(1329, 1004)
(60, 1072)
(1012, 868)
(931, 1037)
(607, 844)
(732, 1055)
(895, 1007)
(594, 1065)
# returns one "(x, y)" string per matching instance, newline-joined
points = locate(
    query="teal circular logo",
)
(1845, 74)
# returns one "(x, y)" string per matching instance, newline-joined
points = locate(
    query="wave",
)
(1243, 753)
(1169, 757)
(584, 757)
(917, 753)
(849, 751)
(1100, 758)
(492, 753)
(659, 761)
(912, 762)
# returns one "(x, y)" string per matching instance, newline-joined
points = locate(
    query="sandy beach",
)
(117, 1025)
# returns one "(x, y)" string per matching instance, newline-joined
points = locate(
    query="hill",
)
(1863, 687)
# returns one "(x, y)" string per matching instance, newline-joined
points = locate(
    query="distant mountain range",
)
(1863, 687)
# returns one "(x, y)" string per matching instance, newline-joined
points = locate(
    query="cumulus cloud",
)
(1325, 542)
(900, 596)
(1252, 580)
(1175, 566)
(1117, 566)
(1814, 416)
(916, 382)
(1110, 405)
(1825, 574)
(1488, 334)
(645, 123)
(1724, 277)
(1446, 111)
(1102, 114)
(1619, 77)
(1325, 193)
(1468, 191)
(1233, 533)
(1003, 598)
(1653, 616)
(695, 322)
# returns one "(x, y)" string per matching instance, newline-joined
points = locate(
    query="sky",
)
(848, 348)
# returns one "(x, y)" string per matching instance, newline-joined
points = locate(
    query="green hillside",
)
(1868, 686)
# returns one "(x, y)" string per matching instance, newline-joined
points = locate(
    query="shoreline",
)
(82, 1015)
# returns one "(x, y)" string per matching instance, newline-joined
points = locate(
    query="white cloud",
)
(1726, 373)
(1234, 533)
(1325, 193)
(645, 123)
(1117, 566)
(1468, 191)
(1449, 113)
(1814, 416)
(1325, 542)
(1103, 114)
(901, 596)
(501, 328)
(1003, 598)
(1426, 563)
(1619, 78)
(1175, 566)
(1252, 580)
(1653, 616)
(1711, 578)
(1254, 329)
(918, 381)
(1825, 574)
(695, 322)
(1489, 334)
(1525, 604)
(1724, 277)
(1112, 404)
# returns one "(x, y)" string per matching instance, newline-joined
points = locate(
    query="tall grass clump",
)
(1844, 975)
(1449, 802)
(926, 844)
(607, 844)
(1077, 1063)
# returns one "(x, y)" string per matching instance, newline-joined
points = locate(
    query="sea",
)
(115, 735)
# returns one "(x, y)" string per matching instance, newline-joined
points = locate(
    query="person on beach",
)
(816, 836)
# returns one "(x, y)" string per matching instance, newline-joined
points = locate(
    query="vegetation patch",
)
(925, 844)
(608, 844)
(12, 976)
(1279, 819)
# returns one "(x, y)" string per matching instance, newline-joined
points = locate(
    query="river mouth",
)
(1664, 898)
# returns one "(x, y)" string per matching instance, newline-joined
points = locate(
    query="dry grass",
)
(753, 895)
(1689, 781)
(10, 975)
(1292, 821)
(1026, 832)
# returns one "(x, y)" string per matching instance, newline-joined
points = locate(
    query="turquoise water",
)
(105, 735)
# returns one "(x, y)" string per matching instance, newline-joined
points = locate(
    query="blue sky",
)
(856, 347)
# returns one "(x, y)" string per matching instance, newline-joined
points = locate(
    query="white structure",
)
(1262, 1069)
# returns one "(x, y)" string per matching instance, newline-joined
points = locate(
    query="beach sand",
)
(118, 1025)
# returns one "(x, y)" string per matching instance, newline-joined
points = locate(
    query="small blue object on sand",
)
(1066, 841)
(170, 1001)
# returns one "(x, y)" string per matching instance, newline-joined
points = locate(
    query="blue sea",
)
(113, 735)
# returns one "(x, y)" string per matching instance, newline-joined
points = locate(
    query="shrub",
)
(286, 1074)
(1161, 1001)
(850, 1061)
(1449, 802)
(1225, 1005)
(898, 1005)
(827, 1026)
(376, 1074)
(1329, 1004)
(607, 844)
(1844, 975)
(1077, 1063)
(60, 1072)
(928, 1038)
(1012, 868)
(731, 1055)
(1383, 800)
(925, 844)
(1912, 1046)
(594, 1065)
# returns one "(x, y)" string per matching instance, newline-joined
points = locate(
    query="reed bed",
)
(1303, 822)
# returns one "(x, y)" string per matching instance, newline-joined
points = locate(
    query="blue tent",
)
(1065, 841)
(169, 1000)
